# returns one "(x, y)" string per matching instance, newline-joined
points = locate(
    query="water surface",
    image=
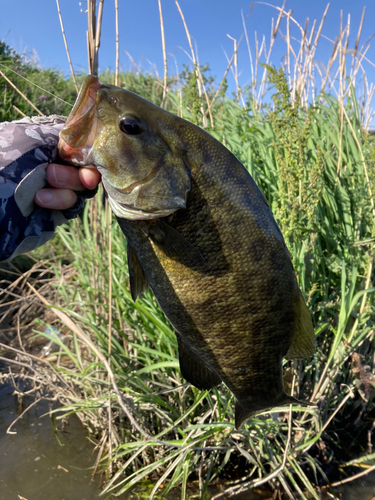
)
(32, 463)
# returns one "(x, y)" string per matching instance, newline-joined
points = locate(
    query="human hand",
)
(64, 181)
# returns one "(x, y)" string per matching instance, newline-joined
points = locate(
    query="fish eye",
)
(131, 125)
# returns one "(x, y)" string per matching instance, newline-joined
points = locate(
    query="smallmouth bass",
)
(201, 235)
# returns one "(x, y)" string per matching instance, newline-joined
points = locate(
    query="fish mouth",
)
(78, 135)
(139, 183)
(124, 202)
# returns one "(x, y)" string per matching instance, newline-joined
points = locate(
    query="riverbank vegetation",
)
(306, 142)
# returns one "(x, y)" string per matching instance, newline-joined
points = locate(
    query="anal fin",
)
(194, 370)
(137, 277)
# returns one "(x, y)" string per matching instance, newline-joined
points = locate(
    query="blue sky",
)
(34, 24)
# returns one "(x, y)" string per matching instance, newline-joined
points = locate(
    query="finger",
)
(64, 176)
(89, 177)
(58, 199)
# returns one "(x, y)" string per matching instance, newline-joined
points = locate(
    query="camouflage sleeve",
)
(27, 146)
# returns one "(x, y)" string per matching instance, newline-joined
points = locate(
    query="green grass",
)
(315, 165)
(293, 154)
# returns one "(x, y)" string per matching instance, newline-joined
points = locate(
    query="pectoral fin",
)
(174, 245)
(303, 339)
(194, 370)
(137, 277)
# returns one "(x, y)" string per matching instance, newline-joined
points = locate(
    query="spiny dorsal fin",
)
(304, 339)
(194, 370)
(137, 278)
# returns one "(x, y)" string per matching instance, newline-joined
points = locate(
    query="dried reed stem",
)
(109, 225)
(357, 41)
(352, 478)
(94, 34)
(253, 83)
(222, 81)
(18, 110)
(117, 46)
(90, 34)
(196, 66)
(262, 89)
(235, 70)
(98, 33)
(66, 46)
(164, 55)
(21, 94)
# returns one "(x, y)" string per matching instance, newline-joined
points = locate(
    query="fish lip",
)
(141, 182)
(131, 187)
(129, 209)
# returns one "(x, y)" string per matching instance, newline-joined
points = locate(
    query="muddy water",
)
(34, 466)
(32, 463)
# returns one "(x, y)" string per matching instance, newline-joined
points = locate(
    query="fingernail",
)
(61, 174)
(44, 197)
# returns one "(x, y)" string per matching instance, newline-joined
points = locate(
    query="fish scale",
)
(201, 235)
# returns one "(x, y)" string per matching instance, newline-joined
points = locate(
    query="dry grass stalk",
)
(94, 34)
(117, 47)
(353, 478)
(21, 94)
(74, 327)
(164, 54)
(222, 80)
(275, 473)
(66, 46)
(196, 65)
(289, 46)
(274, 31)
(19, 111)
(109, 233)
(249, 52)
(82, 336)
(98, 33)
(304, 67)
(90, 34)
(235, 69)
(179, 86)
